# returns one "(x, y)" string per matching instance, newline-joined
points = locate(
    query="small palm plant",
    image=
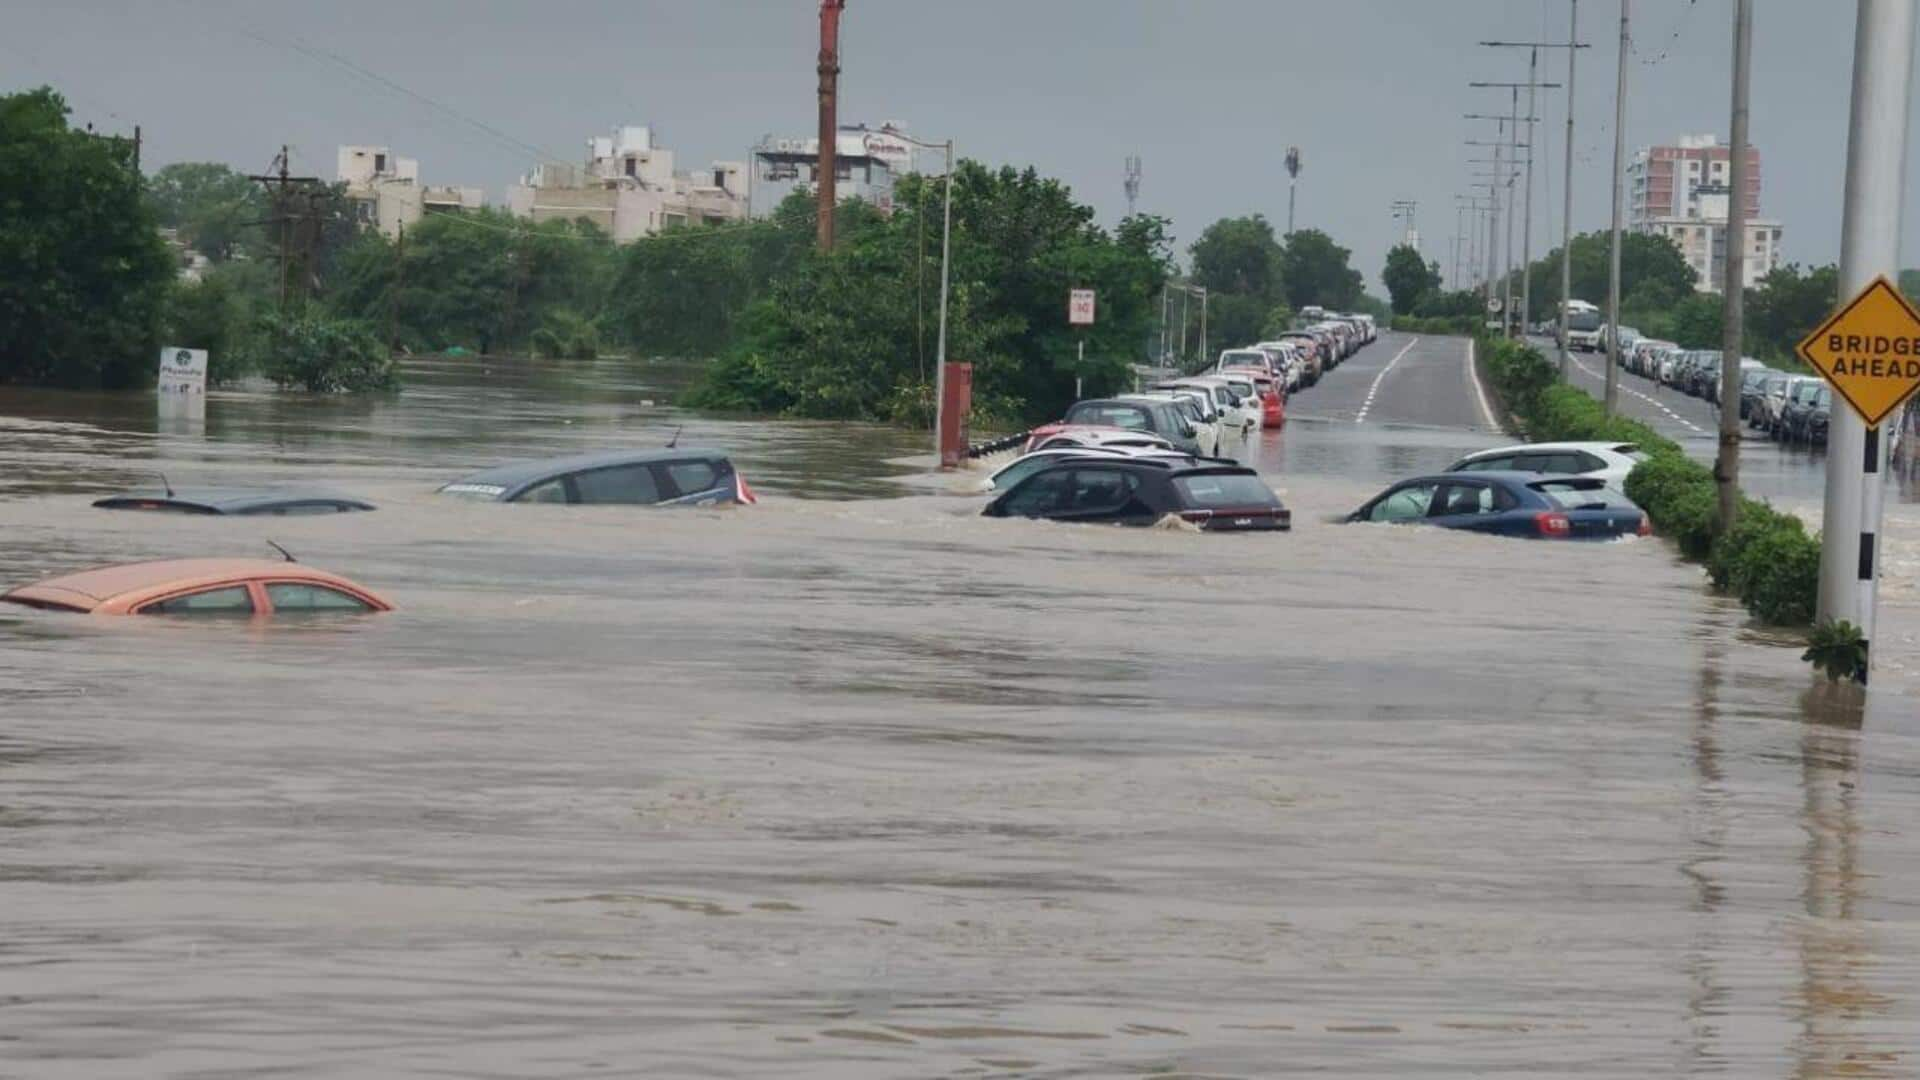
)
(1838, 650)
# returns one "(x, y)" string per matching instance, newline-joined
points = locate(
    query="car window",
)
(231, 600)
(1403, 504)
(1568, 496)
(1561, 461)
(1211, 491)
(1453, 500)
(1102, 489)
(298, 596)
(300, 509)
(629, 485)
(1588, 462)
(692, 477)
(1007, 478)
(1132, 417)
(553, 491)
(1047, 493)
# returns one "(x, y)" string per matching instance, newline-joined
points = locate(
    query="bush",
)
(322, 354)
(1780, 575)
(1459, 325)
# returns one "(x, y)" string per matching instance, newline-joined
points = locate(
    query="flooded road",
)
(870, 786)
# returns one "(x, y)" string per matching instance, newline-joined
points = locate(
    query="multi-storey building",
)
(628, 187)
(1682, 191)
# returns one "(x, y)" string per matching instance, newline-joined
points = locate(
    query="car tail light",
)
(1198, 517)
(1646, 526)
(1552, 524)
(741, 492)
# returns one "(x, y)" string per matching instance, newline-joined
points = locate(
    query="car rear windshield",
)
(1569, 496)
(1211, 491)
(1251, 356)
(1133, 417)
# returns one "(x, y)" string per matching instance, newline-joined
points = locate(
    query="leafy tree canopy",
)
(83, 271)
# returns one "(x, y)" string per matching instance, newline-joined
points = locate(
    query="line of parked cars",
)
(671, 476)
(1137, 459)
(1790, 408)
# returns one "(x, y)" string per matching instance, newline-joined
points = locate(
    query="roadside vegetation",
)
(1768, 559)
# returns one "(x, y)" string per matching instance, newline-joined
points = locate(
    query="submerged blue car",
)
(1533, 505)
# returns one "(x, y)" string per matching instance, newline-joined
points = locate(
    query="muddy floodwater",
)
(856, 783)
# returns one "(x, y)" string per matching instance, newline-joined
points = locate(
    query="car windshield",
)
(1570, 496)
(1132, 417)
(1211, 491)
(1252, 357)
(476, 492)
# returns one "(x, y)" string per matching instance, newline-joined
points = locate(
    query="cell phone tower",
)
(1133, 183)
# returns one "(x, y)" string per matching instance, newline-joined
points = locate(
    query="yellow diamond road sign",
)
(1869, 351)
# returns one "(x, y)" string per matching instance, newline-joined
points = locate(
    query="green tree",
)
(217, 210)
(1238, 256)
(837, 334)
(1409, 278)
(1315, 270)
(1787, 306)
(83, 271)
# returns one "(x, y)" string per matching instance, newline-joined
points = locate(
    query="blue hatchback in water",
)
(1532, 505)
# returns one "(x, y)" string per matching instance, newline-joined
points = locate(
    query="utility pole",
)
(1869, 248)
(136, 149)
(281, 183)
(1293, 179)
(1533, 85)
(393, 300)
(1726, 464)
(1619, 211)
(829, 70)
(1132, 183)
(1566, 215)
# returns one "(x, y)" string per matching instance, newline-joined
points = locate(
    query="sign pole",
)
(1869, 248)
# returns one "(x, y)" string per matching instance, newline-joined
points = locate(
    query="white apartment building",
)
(628, 186)
(1682, 191)
(387, 193)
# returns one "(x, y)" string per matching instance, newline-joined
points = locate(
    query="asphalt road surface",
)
(1400, 379)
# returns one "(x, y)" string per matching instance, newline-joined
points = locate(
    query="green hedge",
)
(1768, 559)
(1461, 325)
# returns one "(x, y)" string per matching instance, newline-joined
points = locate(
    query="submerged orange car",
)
(199, 587)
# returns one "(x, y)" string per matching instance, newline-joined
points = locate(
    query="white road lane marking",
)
(1655, 402)
(1375, 388)
(1473, 377)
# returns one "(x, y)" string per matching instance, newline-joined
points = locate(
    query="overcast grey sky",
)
(1208, 92)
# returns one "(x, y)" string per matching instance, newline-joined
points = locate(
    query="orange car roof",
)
(89, 589)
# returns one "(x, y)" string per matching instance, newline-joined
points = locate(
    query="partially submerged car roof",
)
(86, 590)
(517, 476)
(233, 500)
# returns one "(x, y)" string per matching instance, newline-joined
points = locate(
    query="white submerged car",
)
(1606, 461)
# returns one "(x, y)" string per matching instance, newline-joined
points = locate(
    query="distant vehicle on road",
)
(1510, 504)
(277, 502)
(1197, 408)
(1155, 417)
(662, 477)
(231, 587)
(1807, 399)
(1583, 326)
(1216, 497)
(1239, 410)
(1607, 461)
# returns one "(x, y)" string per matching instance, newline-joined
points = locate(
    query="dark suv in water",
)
(1215, 495)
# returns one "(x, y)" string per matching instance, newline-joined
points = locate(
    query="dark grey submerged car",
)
(669, 477)
(276, 502)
